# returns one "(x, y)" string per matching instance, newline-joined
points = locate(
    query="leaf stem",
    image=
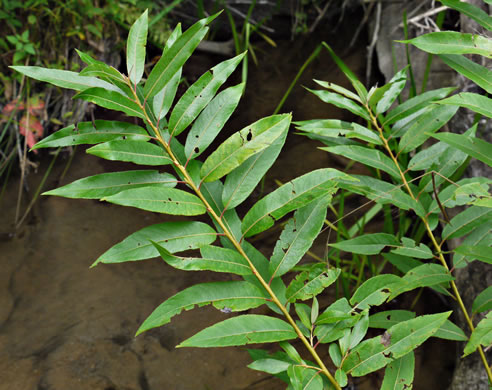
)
(433, 239)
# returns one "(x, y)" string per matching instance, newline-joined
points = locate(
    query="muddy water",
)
(65, 326)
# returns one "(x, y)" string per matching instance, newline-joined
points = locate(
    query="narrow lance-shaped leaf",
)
(399, 373)
(466, 221)
(310, 283)
(213, 259)
(386, 319)
(175, 57)
(415, 104)
(173, 236)
(107, 73)
(435, 117)
(298, 236)
(478, 252)
(111, 100)
(211, 121)
(409, 249)
(384, 97)
(479, 74)
(473, 101)
(367, 244)
(424, 275)
(107, 184)
(241, 182)
(482, 335)
(245, 329)
(452, 42)
(64, 78)
(137, 152)
(339, 89)
(371, 157)
(199, 94)
(480, 236)
(291, 196)
(450, 331)
(373, 291)
(475, 147)
(397, 341)
(135, 48)
(93, 133)
(483, 301)
(244, 144)
(159, 200)
(341, 102)
(231, 295)
(162, 101)
(477, 14)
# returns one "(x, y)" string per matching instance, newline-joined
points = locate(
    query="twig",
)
(320, 16)
(370, 49)
(424, 15)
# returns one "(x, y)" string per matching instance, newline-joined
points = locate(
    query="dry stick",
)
(433, 239)
(370, 48)
(238, 247)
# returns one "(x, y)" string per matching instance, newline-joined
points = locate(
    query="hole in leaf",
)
(249, 137)
(197, 150)
(169, 199)
(124, 137)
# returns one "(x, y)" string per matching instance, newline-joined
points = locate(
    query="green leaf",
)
(245, 329)
(111, 100)
(338, 311)
(270, 366)
(358, 86)
(89, 133)
(173, 236)
(298, 236)
(385, 96)
(415, 104)
(386, 319)
(212, 120)
(402, 263)
(450, 331)
(435, 117)
(424, 275)
(367, 244)
(310, 283)
(481, 335)
(475, 147)
(477, 14)
(479, 252)
(244, 144)
(291, 196)
(107, 73)
(175, 57)
(159, 200)
(304, 313)
(241, 182)
(341, 377)
(400, 339)
(481, 236)
(373, 291)
(473, 101)
(373, 158)
(398, 375)
(162, 101)
(473, 193)
(452, 42)
(231, 295)
(137, 152)
(64, 78)
(341, 102)
(200, 93)
(382, 192)
(336, 128)
(483, 301)
(135, 48)
(107, 184)
(213, 259)
(359, 330)
(409, 249)
(338, 89)
(466, 221)
(479, 74)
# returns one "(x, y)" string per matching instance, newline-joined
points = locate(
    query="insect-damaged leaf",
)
(367, 244)
(233, 295)
(245, 329)
(244, 144)
(399, 373)
(173, 236)
(291, 196)
(310, 283)
(159, 200)
(397, 341)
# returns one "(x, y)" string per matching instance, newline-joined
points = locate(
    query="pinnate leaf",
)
(233, 295)
(245, 329)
